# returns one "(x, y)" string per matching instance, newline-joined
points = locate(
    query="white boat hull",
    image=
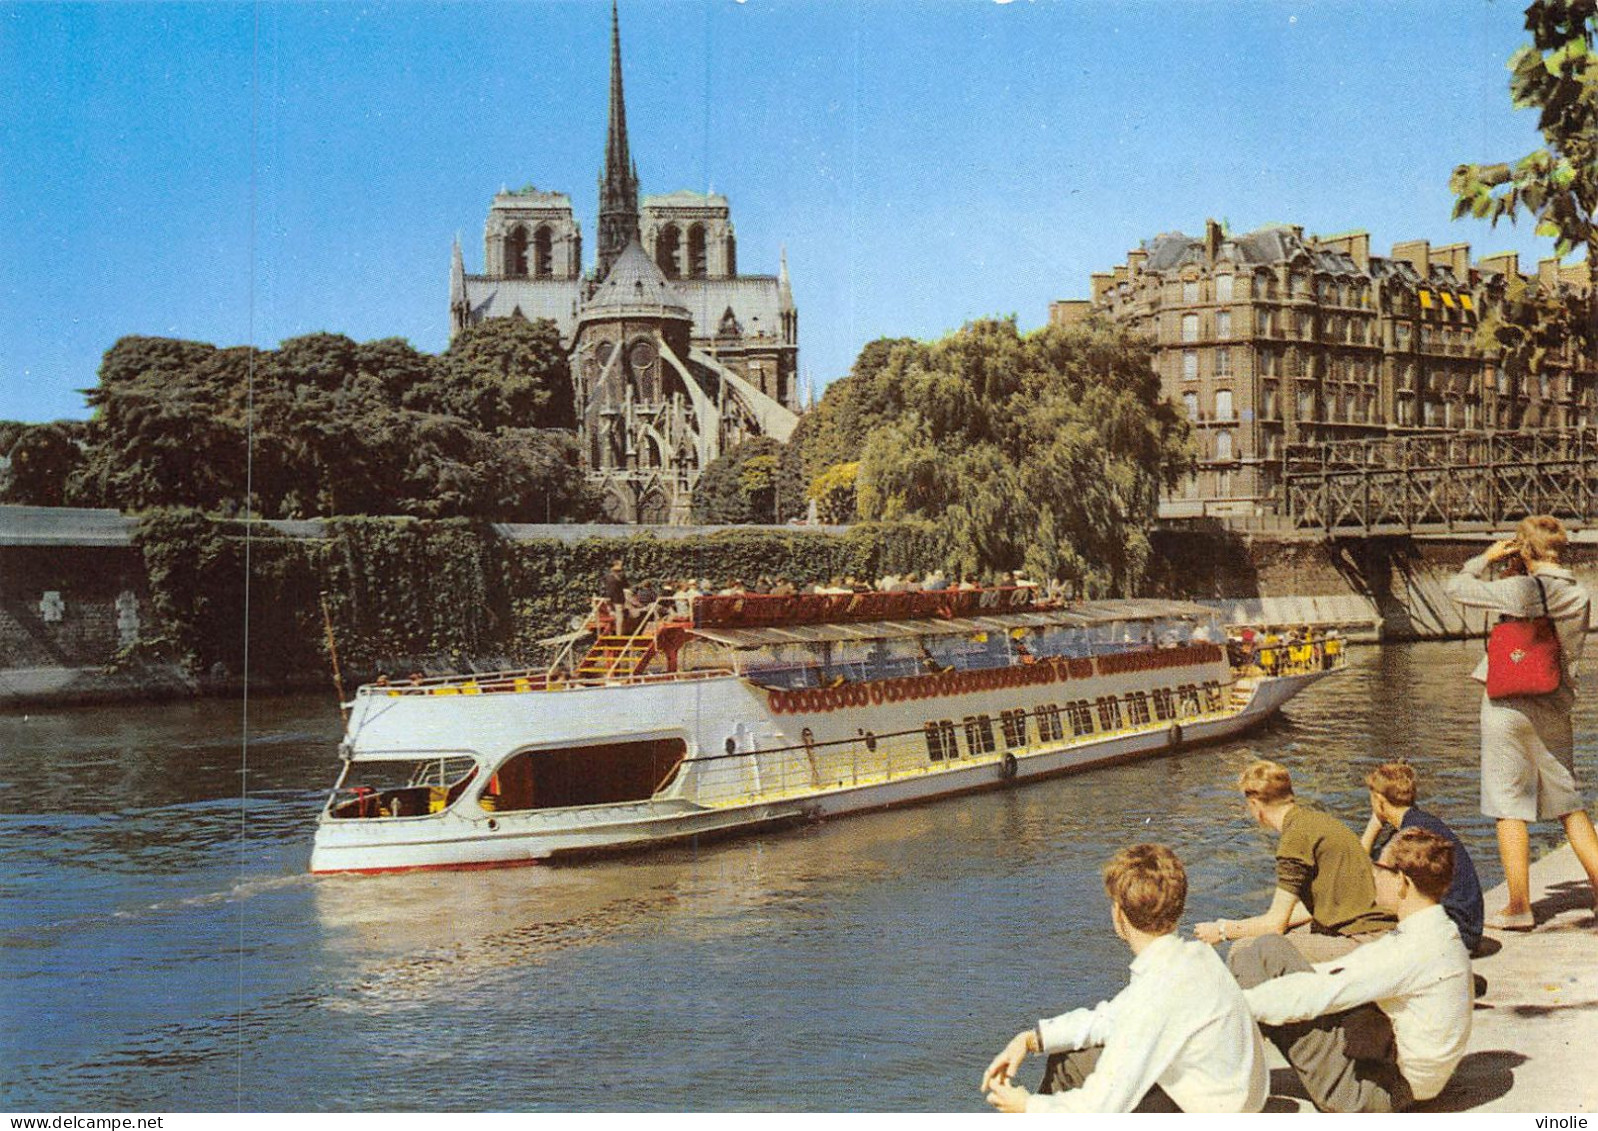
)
(766, 777)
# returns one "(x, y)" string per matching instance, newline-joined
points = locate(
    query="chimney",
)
(1069, 312)
(1212, 241)
(1355, 245)
(1418, 255)
(1456, 256)
(1121, 274)
(1505, 263)
(1102, 282)
(1135, 261)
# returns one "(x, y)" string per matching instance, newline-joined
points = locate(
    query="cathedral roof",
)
(636, 285)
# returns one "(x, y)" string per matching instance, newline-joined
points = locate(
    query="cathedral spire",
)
(618, 189)
(460, 308)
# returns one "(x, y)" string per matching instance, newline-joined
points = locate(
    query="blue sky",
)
(239, 173)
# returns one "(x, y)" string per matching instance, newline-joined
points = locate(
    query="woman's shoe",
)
(1511, 920)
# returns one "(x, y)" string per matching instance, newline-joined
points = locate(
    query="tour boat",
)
(724, 714)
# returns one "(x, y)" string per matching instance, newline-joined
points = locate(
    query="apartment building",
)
(1275, 338)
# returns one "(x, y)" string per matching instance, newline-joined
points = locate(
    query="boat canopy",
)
(1085, 614)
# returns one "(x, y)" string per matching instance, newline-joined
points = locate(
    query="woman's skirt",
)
(1528, 767)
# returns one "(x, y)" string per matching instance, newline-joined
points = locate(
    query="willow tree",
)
(1045, 452)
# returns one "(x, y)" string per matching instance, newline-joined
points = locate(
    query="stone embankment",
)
(74, 595)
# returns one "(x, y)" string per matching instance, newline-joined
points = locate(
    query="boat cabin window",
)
(1137, 708)
(1187, 699)
(1049, 729)
(941, 742)
(403, 787)
(978, 734)
(1013, 723)
(602, 774)
(1163, 708)
(1081, 716)
(1213, 698)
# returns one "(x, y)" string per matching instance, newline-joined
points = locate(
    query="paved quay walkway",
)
(1534, 1037)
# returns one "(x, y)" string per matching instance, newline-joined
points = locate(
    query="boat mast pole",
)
(332, 652)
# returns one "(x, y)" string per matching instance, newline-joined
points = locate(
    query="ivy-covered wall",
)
(402, 595)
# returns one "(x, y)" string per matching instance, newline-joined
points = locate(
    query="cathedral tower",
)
(618, 187)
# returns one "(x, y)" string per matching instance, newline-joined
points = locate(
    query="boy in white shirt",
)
(1384, 1025)
(1178, 1038)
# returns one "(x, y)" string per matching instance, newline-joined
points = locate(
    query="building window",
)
(1223, 445)
(1223, 404)
(1190, 327)
(1190, 290)
(1190, 403)
(1189, 365)
(516, 253)
(1223, 288)
(1223, 324)
(1269, 406)
(1223, 361)
(1306, 404)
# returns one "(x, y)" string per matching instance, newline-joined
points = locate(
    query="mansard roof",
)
(634, 284)
(1278, 243)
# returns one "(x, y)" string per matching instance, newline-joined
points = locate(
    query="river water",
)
(162, 947)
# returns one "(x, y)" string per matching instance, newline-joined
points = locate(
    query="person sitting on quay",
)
(1393, 794)
(1179, 1037)
(1323, 876)
(1385, 1025)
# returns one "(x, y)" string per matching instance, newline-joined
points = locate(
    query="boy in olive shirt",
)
(1323, 876)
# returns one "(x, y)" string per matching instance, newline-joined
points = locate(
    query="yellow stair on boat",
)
(617, 656)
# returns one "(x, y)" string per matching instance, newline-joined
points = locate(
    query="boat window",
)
(405, 787)
(601, 774)
(1162, 703)
(1187, 698)
(940, 741)
(1109, 712)
(1049, 729)
(1014, 725)
(1081, 717)
(1212, 695)
(978, 734)
(1137, 708)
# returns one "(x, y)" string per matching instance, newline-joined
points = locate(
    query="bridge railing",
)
(1459, 480)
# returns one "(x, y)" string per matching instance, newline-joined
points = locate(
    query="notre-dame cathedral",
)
(675, 357)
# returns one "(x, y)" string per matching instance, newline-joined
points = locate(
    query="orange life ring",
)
(878, 694)
(893, 690)
(779, 702)
(948, 683)
(862, 694)
(810, 699)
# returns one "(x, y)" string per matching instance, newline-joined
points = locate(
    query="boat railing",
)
(531, 679)
(1271, 655)
(940, 746)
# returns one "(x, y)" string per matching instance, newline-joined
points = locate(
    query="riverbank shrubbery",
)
(439, 594)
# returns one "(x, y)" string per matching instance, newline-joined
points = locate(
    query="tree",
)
(1045, 451)
(503, 373)
(42, 459)
(1556, 74)
(740, 486)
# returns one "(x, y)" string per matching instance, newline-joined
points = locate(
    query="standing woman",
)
(1527, 747)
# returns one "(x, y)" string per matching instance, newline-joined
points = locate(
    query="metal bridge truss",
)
(1458, 481)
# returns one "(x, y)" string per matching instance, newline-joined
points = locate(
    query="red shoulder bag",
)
(1523, 656)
